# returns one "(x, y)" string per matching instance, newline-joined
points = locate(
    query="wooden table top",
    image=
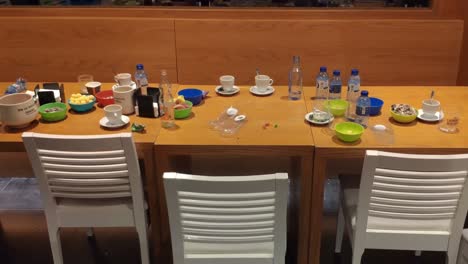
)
(418, 134)
(275, 109)
(80, 123)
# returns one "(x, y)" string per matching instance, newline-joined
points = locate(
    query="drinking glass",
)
(451, 119)
(83, 79)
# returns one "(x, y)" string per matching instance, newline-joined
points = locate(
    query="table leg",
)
(304, 208)
(319, 175)
(163, 253)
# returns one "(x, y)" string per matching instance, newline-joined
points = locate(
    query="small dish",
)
(219, 90)
(309, 118)
(105, 122)
(435, 118)
(268, 91)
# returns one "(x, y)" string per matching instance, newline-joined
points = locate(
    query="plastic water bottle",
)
(295, 79)
(363, 109)
(141, 79)
(354, 85)
(167, 121)
(335, 85)
(322, 84)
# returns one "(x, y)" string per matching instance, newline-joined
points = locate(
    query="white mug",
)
(17, 110)
(430, 107)
(123, 79)
(227, 82)
(262, 82)
(123, 95)
(93, 87)
(114, 113)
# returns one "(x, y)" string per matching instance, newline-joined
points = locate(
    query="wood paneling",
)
(58, 49)
(388, 52)
(463, 73)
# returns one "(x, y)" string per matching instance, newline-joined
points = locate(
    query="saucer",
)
(132, 84)
(219, 90)
(105, 122)
(268, 91)
(309, 118)
(437, 117)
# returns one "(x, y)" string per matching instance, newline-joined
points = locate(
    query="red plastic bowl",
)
(105, 97)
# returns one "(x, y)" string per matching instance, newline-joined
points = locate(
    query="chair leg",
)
(143, 238)
(340, 226)
(55, 245)
(452, 254)
(357, 254)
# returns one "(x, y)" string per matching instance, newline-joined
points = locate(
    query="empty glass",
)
(83, 79)
(451, 119)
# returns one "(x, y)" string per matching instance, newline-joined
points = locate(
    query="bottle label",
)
(353, 87)
(362, 111)
(335, 88)
(322, 84)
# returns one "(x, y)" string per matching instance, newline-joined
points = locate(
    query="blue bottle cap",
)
(354, 72)
(337, 72)
(323, 69)
(139, 66)
(364, 93)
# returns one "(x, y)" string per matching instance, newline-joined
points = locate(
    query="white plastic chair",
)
(88, 181)
(406, 202)
(227, 219)
(463, 252)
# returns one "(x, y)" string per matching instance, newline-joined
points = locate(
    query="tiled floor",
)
(24, 238)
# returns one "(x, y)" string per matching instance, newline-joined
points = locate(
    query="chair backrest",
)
(84, 168)
(223, 217)
(414, 187)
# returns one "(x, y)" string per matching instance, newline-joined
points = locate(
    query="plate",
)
(309, 119)
(132, 84)
(219, 90)
(105, 122)
(268, 91)
(437, 117)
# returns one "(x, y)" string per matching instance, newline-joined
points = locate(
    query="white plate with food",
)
(319, 118)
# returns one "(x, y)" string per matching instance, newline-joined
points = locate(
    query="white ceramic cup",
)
(114, 113)
(93, 87)
(123, 95)
(262, 82)
(123, 79)
(17, 110)
(430, 107)
(227, 82)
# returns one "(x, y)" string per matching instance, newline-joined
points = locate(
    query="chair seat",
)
(92, 213)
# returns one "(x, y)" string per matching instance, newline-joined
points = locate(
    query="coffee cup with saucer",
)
(114, 117)
(227, 86)
(430, 111)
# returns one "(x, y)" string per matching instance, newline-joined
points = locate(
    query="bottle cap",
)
(296, 59)
(323, 69)
(354, 72)
(364, 93)
(139, 66)
(336, 72)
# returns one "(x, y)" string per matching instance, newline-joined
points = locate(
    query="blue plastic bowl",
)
(376, 106)
(82, 107)
(193, 95)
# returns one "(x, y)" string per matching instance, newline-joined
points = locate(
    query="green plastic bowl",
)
(349, 131)
(55, 116)
(404, 118)
(183, 113)
(337, 107)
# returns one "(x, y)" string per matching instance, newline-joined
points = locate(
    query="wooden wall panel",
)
(388, 52)
(58, 49)
(463, 72)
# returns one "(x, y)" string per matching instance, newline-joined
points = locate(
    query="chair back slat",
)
(82, 167)
(233, 210)
(413, 187)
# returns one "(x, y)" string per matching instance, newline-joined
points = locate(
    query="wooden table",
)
(88, 124)
(416, 137)
(195, 148)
